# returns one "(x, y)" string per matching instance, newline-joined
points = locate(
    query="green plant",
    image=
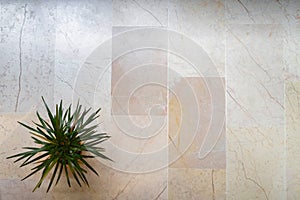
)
(64, 143)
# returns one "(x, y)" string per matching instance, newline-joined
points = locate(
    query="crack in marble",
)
(148, 11)
(70, 43)
(244, 169)
(268, 139)
(162, 191)
(20, 58)
(68, 84)
(270, 95)
(286, 14)
(119, 104)
(64, 81)
(124, 188)
(246, 9)
(241, 107)
(2, 127)
(253, 181)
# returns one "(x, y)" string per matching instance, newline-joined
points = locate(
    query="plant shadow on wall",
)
(65, 144)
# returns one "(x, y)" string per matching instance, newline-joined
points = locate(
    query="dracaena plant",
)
(64, 143)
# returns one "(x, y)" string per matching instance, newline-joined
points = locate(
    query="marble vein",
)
(64, 81)
(270, 95)
(253, 181)
(246, 9)
(241, 106)
(254, 170)
(161, 192)
(251, 56)
(124, 188)
(148, 11)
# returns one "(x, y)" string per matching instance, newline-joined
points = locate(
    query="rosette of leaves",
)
(64, 144)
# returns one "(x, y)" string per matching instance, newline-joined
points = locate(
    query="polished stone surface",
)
(201, 97)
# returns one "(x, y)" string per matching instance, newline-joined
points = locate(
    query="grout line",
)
(225, 93)
(168, 94)
(285, 185)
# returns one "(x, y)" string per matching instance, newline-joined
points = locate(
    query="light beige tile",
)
(138, 143)
(203, 22)
(92, 82)
(197, 104)
(255, 163)
(219, 184)
(15, 189)
(139, 134)
(139, 76)
(137, 186)
(255, 75)
(139, 91)
(81, 27)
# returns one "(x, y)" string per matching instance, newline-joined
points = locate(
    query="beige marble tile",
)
(255, 75)
(8, 188)
(137, 186)
(140, 13)
(139, 76)
(196, 123)
(292, 99)
(92, 83)
(81, 27)
(255, 163)
(97, 189)
(139, 91)
(67, 46)
(138, 144)
(113, 184)
(203, 22)
(219, 184)
(141, 104)
(110, 185)
(139, 134)
(195, 184)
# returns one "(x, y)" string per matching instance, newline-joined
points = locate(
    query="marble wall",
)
(201, 97)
